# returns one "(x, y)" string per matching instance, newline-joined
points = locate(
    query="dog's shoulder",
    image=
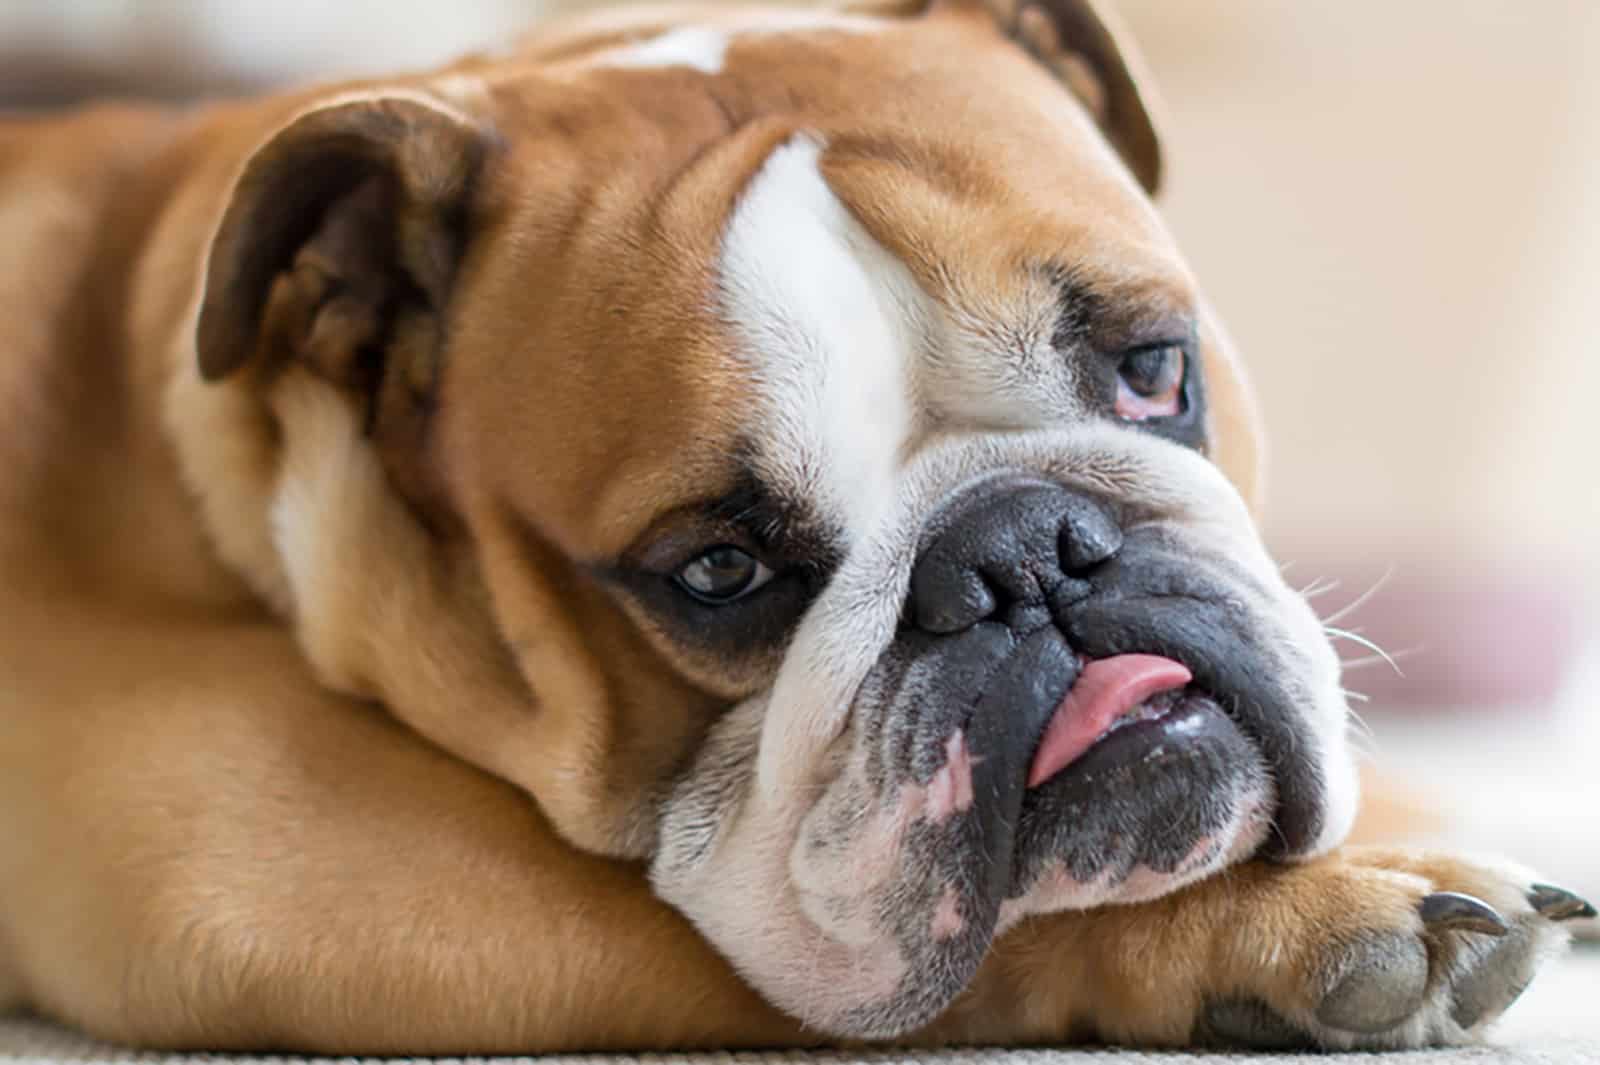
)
(104, 212)
(63, 187)
(60, 177)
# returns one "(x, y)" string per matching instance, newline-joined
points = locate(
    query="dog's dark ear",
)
(1083, 44)
(340, 243)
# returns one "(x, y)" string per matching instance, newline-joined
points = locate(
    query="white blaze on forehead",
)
(699, 47)
(704, 48)
(831, 324)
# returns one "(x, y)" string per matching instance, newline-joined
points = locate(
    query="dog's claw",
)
(1557, 904)
(1451, 911)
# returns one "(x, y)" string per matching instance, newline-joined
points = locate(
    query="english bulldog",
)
(708, 527)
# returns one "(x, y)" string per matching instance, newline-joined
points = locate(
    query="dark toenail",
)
(1449, 911)
(1558, 904)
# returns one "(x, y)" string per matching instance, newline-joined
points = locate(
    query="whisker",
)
(1399, 656)
(1359, 723)
(1361, 600)
(1360, 697)
(1349, 665)
(1359, 733)
(1356, 637)
(1319, 587)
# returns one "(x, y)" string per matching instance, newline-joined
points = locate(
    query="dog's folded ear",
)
(1086, 48)
(1083, 44)
(340, 243)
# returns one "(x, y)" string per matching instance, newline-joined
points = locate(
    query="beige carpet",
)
(1557, 1022)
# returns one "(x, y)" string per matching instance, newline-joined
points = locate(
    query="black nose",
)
(1005, 545)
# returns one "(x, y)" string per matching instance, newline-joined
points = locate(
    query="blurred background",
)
(1395, 207)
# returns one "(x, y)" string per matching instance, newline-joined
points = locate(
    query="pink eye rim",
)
(1150, 382)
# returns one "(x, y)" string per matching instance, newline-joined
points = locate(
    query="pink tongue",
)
(1106, 689)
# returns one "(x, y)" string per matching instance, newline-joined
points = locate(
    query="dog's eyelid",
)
(1114, 322)
(749, 519)
(679, 536)
(1137, 329)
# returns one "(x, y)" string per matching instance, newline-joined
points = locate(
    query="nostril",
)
(946, 601)
(1089, 537)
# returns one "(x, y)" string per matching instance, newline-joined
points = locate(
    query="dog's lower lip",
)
(1105, 693)
(1152, 709)
(1145, 793)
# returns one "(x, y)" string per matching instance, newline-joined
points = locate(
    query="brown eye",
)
(1150, 383)
(723, 574)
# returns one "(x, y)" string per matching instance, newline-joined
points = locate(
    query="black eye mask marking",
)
(792, 555)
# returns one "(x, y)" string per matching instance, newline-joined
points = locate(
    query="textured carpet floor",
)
(1556, 1023)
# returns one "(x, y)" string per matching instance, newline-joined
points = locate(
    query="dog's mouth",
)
(1029, 775)
(1108, 695)
(1098, 764)
(1139, 775)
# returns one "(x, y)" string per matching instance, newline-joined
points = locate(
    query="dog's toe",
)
(1388, 950)
(1495, 979)
(1447, 977)
(1385, 981)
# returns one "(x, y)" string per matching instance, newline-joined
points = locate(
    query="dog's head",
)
(791, 448)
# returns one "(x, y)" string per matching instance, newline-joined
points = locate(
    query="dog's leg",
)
(201, 847)
(1363, 948)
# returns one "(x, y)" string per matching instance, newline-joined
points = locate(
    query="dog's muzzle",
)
(1078, 708)
(1082, 703)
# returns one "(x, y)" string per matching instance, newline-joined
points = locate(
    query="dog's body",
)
(363, 452)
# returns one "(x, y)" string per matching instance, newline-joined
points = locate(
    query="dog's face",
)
(850, 466)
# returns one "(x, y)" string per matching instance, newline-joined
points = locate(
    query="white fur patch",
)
(803, 20)
(699, 47)
(832, 324)
(705, 48)
(331, 494)
(1342, 794)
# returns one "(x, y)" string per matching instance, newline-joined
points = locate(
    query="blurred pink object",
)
(1463, 636)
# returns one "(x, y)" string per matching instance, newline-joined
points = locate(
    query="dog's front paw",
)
(1384, 949)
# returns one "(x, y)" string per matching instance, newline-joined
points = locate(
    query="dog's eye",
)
(723, 574)
(1150, 383)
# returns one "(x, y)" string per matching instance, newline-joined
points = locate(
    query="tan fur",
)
(284, 766)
